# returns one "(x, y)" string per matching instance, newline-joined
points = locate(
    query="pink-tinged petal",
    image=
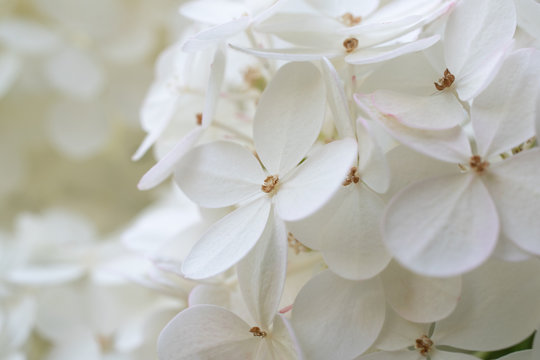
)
(228, 241)
(384, 53)
(496, 293)
(436, 112)
(289, 117)
(504, 114)
(212, 36)
(219, 174)
(372, 163)
(354, 310)
(217, 73)
(291, 54)
(350, 239)
(164, 168)
(314, 182)
(337, 100)
(442, 227)
(261, 273)
(514, 186)
(451, 145)
(475, 32)
(207, 332)
(419, 298)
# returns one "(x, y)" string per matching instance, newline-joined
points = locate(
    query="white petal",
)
(514, 186)
(215, 81)
(46, 275)
(337, 99)
(227, 241)
(446, 355)
(26, 36)
(450, 145)
(212, 12)
(75, 73)
(212, 36)
(392, 355)
(353, 310)
(520, 355)
(350, 239)
(436, 112)
(10, 67)
(261, 273)
(160, 171)
(337, 8)
(475, 32)
(398, 333)
(219, 174)
(291, 54)
(497, 293)
(206, 332)
(315, 181)
(501, 115)
(384, 53)
(442, 227)
(507, 250)
(284, 340)
(528, 12)
(289, 117)
(372, 163)
(419, 298)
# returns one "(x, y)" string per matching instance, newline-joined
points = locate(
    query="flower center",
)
(270, 183)
(476, 164)
(350, 20)
(350, 44)
(423, 344)
(446, 81)
(296, 245)
(352, 177)
(256, 331)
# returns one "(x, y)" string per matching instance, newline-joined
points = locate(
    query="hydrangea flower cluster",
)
(376, 168)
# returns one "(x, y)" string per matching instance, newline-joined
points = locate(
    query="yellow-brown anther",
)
(446, 81)
(270, 183)
(296, 245)
(352, 177)
(256, 331)
(476, 164)
(423, 345)
(350, 20)
(350, 44)
(198, 116)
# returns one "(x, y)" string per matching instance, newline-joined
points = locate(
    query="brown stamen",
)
(423, 345)
(350, 20)
(476, 164)
(256, 331)
(352, 177)
(350, 44)
(296, 245)
(446, 81)
(198, 116)
(270, 183)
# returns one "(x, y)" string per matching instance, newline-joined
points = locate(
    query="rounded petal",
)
(514, 186)
(372, 163)
(497, 293)
(475, 32)
(353, 310)
(504, 114)
(419, 298)
(436, 112)
(228, 240)
(261, 273)
(314, 182)
(26, 36)
(219, 174)
(392, 355)
(207, 332)
(398, 333)
(289, 117)
(442, 227)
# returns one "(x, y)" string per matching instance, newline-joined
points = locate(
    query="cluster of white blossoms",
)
(351, 179)
(363, 178)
